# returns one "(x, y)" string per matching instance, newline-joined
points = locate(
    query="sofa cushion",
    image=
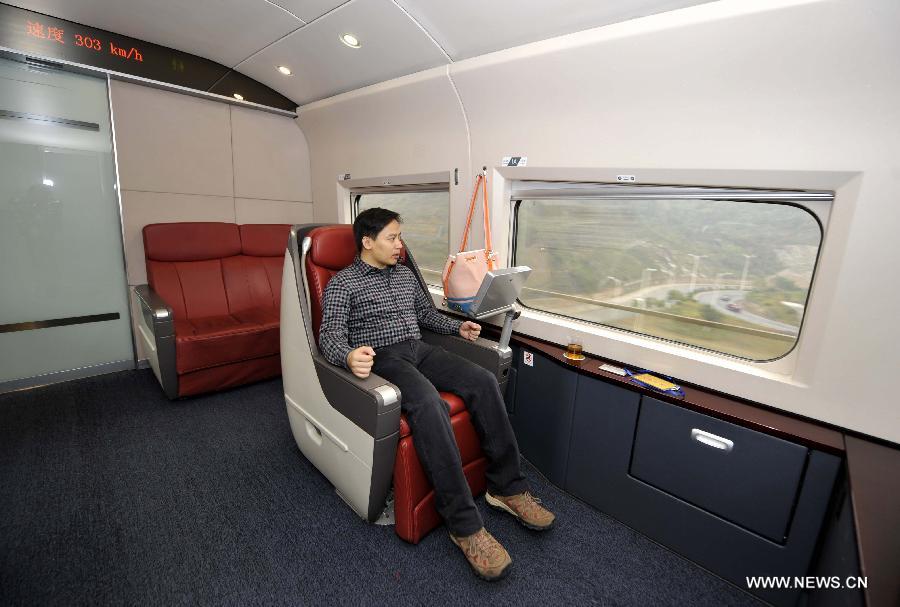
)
(228, 376)
(208, 341)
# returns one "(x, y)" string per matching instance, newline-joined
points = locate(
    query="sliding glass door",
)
(63, 294)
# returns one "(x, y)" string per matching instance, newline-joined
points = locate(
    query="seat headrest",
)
(191, 241)
(333, 247)
(265, 240)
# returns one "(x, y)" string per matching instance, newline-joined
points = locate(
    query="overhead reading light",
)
(284, 70)
(238, 96)
(350, 40)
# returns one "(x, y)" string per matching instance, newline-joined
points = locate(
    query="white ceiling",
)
(398, 36)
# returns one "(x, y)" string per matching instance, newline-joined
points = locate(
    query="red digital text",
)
(37, 30)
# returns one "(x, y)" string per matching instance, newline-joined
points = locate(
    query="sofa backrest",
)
(211, 269)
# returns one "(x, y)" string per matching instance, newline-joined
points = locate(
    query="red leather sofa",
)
(211, 308)
(331, 249)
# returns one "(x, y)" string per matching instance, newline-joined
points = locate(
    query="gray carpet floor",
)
(111, 494)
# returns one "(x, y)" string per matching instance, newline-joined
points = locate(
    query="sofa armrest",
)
(483, 352)
(156, 328)
(372, 403)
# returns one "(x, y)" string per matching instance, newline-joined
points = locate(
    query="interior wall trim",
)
(32, 325)
(56, 120)
(61, 376)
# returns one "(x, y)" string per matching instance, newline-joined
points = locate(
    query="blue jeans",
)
(420, 370)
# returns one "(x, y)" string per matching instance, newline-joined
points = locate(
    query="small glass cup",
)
(574, 349)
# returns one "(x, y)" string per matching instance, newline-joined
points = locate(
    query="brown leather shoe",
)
(526, 508)
(488, 558)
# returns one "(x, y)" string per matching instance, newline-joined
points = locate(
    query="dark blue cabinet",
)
(744, 476)
(636, 458)
(542, 413)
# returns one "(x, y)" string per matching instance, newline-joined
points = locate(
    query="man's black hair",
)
(370, 223)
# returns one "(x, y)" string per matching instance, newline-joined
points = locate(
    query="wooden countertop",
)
(722, 407)
(874, 471)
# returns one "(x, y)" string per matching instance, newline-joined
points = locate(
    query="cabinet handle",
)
(711, 440)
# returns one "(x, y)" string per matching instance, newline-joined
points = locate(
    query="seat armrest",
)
(483, 352)
(372, 403)
(156, 329)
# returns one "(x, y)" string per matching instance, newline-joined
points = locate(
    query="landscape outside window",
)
(729, 276)
(425, 218)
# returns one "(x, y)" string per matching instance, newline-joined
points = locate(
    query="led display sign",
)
(33, 33)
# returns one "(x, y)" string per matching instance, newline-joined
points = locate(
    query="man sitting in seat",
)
(370, 323)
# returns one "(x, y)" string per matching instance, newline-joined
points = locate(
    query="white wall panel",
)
(173, 143)
(271, 158)
(142, 208)
(760, 94)
(272, 211)
(412, 126)
(813, 86)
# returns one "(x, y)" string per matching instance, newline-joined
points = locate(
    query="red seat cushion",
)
(456, 406)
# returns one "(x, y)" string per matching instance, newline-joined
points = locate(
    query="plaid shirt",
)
(365, 306)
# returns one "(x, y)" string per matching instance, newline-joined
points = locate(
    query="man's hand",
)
(470, 330)
(361, 360)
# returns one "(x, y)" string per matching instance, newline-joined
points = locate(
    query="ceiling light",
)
(284, 70)
(350, 40)
(48, 182)
(238, 96)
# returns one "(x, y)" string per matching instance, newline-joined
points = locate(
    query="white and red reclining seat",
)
(332, 250)
(223, 283)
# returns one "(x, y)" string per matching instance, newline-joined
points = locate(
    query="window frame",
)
(816, 203)
(431, 182)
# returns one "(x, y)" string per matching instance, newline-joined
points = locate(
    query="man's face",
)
(385, 249)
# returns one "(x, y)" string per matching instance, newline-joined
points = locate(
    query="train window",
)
(724, 270)
(425, 215)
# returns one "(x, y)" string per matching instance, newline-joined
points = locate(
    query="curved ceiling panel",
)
(398, 37)
(226, 31)
(392, 45)
(466, 28)
(308, 10)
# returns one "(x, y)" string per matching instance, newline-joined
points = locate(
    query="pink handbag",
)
(465, 270)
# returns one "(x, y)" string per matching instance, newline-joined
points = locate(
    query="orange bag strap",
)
(465, 238)
(489, 249)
